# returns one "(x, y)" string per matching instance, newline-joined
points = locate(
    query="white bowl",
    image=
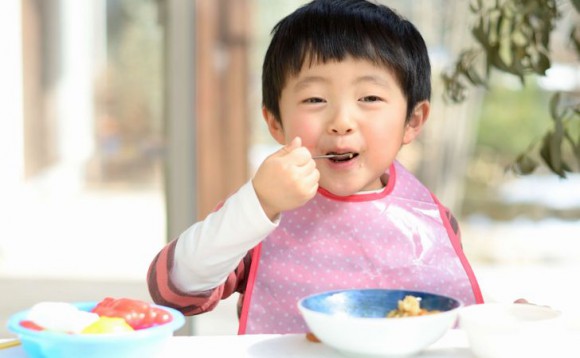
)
(354, 321)
(498, 330)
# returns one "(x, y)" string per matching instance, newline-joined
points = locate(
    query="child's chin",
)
(340, 190)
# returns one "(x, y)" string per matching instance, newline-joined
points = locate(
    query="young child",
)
(339, 77)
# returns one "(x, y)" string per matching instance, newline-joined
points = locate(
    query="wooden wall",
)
(222, 32)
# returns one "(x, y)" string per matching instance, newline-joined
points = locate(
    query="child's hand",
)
(287, 179)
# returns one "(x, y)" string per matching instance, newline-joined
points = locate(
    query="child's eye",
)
(371, 99)
(314, 100)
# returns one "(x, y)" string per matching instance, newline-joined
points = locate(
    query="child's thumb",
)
(295, 143)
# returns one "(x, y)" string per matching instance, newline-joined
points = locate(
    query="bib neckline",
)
(366, 196)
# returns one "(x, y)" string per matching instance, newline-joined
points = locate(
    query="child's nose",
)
(342, 123)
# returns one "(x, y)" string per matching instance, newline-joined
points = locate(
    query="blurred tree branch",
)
(514, 38)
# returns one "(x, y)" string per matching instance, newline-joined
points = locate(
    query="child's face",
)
(348, 106)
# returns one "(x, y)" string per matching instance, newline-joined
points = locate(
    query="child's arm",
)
(210, 259)
(211, 249)
(165, 293)
(207, 261)
(454, 224)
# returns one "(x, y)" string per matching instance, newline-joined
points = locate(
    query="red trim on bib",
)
(249, 289)
(459, 251)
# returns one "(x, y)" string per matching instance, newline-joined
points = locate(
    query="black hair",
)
(331, 30)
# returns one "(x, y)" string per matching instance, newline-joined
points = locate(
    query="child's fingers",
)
(298, 154)
(294, 152)
(290, 147)
(312, 178)
(295, 143)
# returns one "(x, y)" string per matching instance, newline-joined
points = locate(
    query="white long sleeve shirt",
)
(210, 249)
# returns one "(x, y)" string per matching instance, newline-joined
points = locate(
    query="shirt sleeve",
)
(211, 259)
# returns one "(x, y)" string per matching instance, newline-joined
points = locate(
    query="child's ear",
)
(274, 126)
(419, 116)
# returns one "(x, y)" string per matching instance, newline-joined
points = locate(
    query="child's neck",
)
(384, 181)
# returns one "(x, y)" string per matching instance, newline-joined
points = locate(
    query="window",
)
(83, 195)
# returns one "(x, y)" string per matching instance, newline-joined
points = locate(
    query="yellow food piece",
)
(409, 307)
(107, 325)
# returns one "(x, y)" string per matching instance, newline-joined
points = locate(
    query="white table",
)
(453, 344)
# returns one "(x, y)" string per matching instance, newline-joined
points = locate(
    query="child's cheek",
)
(309, 131)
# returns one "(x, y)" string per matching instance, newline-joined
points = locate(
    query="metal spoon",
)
(335, 156)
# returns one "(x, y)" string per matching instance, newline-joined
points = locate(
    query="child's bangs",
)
(336, 46)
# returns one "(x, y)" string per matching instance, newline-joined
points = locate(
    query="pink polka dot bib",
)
(398, 238)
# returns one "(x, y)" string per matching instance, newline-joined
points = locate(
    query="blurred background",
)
(125, 121)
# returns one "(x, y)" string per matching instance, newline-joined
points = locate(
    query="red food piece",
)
(138, 314)
(31, 325)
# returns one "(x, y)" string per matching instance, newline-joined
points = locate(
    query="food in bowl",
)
(111, 315)
(355, 321)
(105, 325)
(409, 306)
(58, 317)
(138, 314)
(130, 334)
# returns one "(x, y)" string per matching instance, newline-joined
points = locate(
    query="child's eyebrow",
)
(378, 80)
(304, 82)
(374, 79)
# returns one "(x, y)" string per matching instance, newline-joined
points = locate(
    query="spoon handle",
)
(9, 343)
(324, 156)
(337, 156)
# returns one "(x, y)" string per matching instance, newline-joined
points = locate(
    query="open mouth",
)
(342, 157)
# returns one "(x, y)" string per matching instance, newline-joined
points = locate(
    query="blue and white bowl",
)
(355, 321)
